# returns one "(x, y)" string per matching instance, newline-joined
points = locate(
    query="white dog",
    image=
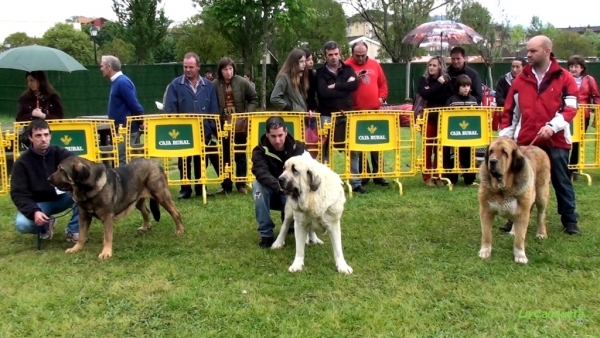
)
(316, 198)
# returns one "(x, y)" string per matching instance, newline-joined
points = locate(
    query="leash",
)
(531, 144)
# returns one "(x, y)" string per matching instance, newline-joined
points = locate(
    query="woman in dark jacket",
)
(435, 87)
(311, 94)
(40, 100)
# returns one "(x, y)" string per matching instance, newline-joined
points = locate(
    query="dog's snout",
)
(281, 181)
(493, 162)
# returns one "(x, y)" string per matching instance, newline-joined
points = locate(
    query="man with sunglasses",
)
(276, 146)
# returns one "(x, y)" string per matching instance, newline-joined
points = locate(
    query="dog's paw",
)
(314, 240)
(520, 256)
(344, 268)
(485, 252)
(277, 244)
(541, 236)
(105, 254)
(74, 249)
(296, 266)
(143, 228)
(179, 231)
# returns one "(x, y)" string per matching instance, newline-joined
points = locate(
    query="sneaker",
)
(266, 242)
(507, 227)
(49, 229)
(360, 189)
(571, 228)
(72, 237)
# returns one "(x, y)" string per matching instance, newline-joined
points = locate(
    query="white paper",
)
(159, 105)
(58, 192)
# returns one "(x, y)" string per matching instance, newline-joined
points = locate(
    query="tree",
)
(537, 27)
(19, 39)
(568, 43)
(594, 41)
(144, 25)
(119, 48)
(109, 31)
(273, 13)
(328, 23)
(71, 41)
(473, 14)
(206, 40)
(165, 52)
(391, 20)
(517, 38)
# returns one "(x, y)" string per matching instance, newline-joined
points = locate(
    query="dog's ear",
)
(314, 181)
(80, 173)
(486, 158)
(518, 161)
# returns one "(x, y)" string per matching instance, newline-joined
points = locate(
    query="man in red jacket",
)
(372, 91)
(542, 102)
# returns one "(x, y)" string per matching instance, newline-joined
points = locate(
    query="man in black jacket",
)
(335, 83)
(275, 147)
(459, 67)
(36, 200)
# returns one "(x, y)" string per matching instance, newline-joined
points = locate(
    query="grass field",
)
(416, 274)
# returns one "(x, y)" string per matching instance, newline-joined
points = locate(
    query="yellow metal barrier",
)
(83, 137)
(373, 131)
(460, 130)
(4, 185)
(175, 136)
(296, 124)
(586, 143)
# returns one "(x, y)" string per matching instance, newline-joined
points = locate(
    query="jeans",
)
(266, 199)
(565, 195)
(133, 138)
(25, 225)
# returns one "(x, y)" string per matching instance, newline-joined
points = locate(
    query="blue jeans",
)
(25, 225)
(266, 199)
(565, 195)
(133, 138)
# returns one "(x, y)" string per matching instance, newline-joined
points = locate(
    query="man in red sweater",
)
(372, 91)
(542, 102)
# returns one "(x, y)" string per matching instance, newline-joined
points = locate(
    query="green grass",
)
(416, 273)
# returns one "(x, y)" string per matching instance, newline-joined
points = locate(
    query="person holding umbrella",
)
(40, 100)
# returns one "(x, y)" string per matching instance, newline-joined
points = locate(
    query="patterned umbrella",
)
(442, 31)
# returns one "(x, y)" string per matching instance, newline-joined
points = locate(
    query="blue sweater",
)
(181, 99)
(123, 102)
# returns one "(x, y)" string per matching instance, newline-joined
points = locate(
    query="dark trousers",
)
(241, 164)
(464, 160)
(214, 160)
(561, 181)
(575, 150)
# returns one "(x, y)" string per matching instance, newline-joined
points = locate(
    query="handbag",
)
(241, 124)
(419, 105)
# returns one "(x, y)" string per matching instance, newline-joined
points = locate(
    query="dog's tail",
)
(155, 209)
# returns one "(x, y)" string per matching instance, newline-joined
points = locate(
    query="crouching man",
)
(36, 200)
(276, 146)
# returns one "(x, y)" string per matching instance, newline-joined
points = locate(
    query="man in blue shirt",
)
(122, 101)
(188, 94)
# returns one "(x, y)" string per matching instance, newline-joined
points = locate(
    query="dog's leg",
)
(313, 239)
(108, 222)
(141, 206)
(541, 200)
(338, 255)
(300, 233)
(84, 225)
(285, 226)
(168, 204)
(520, 227)
(487, 220)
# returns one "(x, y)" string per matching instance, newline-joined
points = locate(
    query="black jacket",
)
(435, 93)
(476, 87)
(267, 166)
(502, 88)
(333, 100)
(458, 100)
(29, 179)
(311, 98)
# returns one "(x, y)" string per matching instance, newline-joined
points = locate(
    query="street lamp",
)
(94, 32)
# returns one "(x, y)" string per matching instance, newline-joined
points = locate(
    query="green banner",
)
(262, 129)
(72, 140)
(174, 136)
(372, 132)
(464, 127)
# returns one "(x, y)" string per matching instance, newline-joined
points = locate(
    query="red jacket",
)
(527, 109)
(588, 93)
(371, 87)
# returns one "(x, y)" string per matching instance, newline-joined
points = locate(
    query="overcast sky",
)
(34, 17)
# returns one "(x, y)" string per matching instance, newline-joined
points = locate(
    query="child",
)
(462, 97)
